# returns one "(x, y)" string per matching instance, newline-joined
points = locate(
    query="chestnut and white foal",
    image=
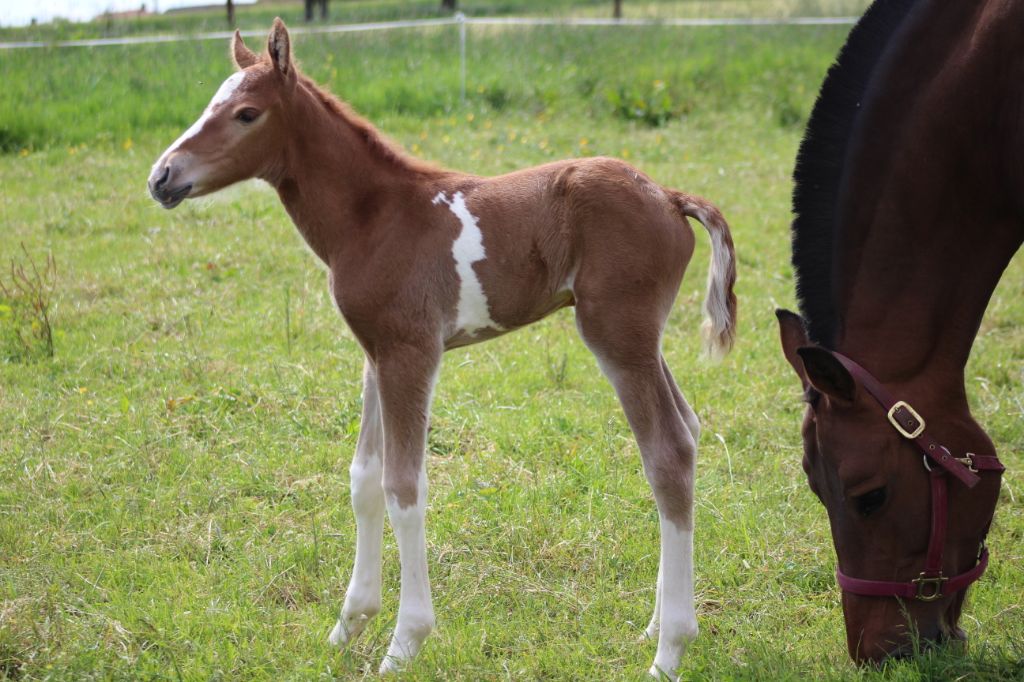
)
(423, 259)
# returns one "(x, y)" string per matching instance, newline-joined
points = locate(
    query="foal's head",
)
(240, 134)
(873, 483)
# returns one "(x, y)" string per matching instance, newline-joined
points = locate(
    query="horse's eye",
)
(870, 502)
(247, 115)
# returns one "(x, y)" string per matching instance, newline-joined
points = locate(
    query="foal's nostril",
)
(162, 180)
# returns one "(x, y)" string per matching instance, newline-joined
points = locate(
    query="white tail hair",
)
(719, 328)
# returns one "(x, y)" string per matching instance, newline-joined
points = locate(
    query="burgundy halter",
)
(930, 584)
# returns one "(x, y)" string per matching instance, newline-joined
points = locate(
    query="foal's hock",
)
(424, 259)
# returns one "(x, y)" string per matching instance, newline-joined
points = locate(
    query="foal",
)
(423, 259)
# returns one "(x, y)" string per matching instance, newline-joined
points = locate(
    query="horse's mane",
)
(821, 161)
(377, 144)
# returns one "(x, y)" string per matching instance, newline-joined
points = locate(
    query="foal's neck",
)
(338, 173)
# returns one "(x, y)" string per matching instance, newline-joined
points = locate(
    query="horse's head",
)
(240, 134)
(876, 489)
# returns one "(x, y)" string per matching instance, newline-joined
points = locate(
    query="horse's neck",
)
(927, 226)
(333, 181)
(912, 302)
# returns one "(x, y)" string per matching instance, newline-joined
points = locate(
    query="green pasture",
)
(174, 479)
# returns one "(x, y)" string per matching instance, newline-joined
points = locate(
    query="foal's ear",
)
(279, 45)
(244, 57)
(827, 374)
(793, 335)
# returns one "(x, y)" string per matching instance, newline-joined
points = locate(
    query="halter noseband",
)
(931, 584)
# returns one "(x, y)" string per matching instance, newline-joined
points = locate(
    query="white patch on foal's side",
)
(468, 248)
(223, 94)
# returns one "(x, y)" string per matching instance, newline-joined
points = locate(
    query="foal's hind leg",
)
(363, 597)
(692, 423)
(625, 339)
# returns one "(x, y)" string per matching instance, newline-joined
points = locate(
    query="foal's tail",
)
(719, 327)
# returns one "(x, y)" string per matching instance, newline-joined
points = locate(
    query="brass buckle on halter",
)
(929, 588)
(902, 405)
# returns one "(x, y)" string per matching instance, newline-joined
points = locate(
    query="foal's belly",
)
(483, 330)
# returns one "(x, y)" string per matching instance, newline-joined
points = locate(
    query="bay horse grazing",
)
(422, 260)
(909, 205)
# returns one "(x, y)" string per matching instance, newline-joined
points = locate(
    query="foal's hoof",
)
(338, 638)
(658, 674)
(391, 665)
(347, 630)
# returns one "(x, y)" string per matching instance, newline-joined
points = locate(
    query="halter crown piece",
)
(931, 584)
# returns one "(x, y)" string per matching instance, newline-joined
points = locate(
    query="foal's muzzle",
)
(163, 189)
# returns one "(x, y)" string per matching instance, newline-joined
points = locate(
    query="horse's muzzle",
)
(874, 655)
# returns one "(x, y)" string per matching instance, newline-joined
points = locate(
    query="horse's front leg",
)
(363, 597)
(406, 376)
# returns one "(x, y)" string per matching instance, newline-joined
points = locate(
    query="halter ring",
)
(929, 588)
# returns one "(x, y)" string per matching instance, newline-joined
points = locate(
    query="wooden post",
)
(617, 10)
(231, 14)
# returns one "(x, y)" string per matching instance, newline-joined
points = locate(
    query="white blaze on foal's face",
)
(468, 248)
(223, 94)
(220, 98)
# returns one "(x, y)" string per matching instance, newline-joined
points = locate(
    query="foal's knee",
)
(365, 482)
(404, 487)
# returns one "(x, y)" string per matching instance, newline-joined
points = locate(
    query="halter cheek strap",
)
(931, 584)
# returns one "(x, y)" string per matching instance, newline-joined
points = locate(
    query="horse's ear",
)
(793, 334)
(244, 57)
(827, 374)
(279, 45)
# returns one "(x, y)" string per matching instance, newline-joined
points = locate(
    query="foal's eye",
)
(870, 502)
(247, 115)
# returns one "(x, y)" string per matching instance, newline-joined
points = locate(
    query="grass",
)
(173, 482)
(567, 73)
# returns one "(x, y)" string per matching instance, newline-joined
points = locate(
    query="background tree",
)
(448, 5)
(617, 9)
(231, 14)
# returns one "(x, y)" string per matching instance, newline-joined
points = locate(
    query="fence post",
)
(461, 19)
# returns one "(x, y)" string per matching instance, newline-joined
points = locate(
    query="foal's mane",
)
(376, 143)
(821, 164)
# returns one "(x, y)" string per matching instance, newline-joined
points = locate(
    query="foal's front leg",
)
(362, 599)
(406, 376)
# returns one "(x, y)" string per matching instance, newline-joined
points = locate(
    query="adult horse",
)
(908, 208)
(422, 260)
